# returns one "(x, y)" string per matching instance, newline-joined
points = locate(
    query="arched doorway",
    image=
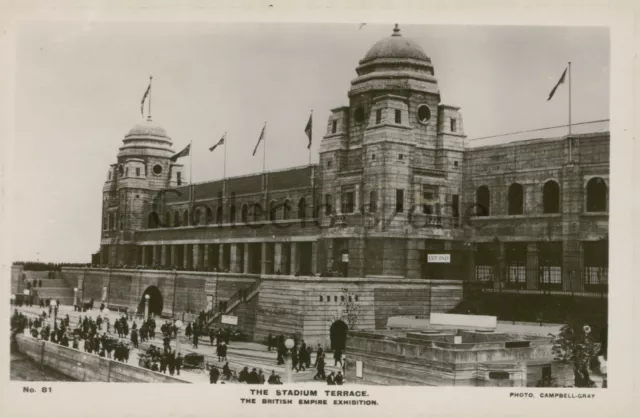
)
(338, 335)
(155, 301)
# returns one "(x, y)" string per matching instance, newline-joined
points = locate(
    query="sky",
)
(78, 91)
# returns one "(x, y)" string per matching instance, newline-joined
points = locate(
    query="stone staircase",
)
(243, 295)
(53, 286)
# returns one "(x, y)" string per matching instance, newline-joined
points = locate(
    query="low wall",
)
(414, 361)
(85, 367)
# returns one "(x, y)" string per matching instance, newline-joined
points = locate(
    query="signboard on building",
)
(345, 258)
(358, 368)
(439, 258)
(229, 319)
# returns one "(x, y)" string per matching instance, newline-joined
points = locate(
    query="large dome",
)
(146, 129)
(396, 46)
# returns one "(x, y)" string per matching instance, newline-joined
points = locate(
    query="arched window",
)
(551, 197)
(185, 218)
(176, 218)
(257, 212)
(196, 217)
(232, 214)
(167, 220)
(273, 208)
(209, 215)
(153, 220)
(516, 199)
(286, 210)
(302, 208)
(219, 215)
(596, 195)
(483, 201)
(328, 204)
(373, 201)
(244, 213)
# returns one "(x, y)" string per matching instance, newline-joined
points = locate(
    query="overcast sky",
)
(78, 91)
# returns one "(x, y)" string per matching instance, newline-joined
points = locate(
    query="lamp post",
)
(75, 298)
(54, 304)
(179, 324)
(146, 306)
(289, 344)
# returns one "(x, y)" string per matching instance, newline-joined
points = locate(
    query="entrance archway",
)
(338, 335)
(155, 301)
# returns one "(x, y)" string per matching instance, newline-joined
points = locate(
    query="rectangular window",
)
(126, 172)
(399, 200)
(328, 203)
(378, 115)
(429, 195)
(137, 171)
(179, 178)
(455, 206)
(453, 125)
(348, 202)
(398, 116)
(104, 223)
(334, 126)
(373, 201)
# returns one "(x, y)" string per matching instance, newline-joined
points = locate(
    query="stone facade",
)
(396, 182)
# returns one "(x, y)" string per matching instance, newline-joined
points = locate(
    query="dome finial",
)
(396, 31)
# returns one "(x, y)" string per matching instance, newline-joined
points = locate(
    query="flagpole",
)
(190, 164)
(569, 97)
(311, 136)
(224, 166)
(150, 81)
(264, 149)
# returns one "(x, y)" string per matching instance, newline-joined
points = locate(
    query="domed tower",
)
(142, 169)
(396, 150)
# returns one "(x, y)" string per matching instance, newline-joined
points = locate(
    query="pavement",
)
(239, 354)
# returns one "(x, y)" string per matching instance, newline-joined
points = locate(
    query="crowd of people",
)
(94, 335)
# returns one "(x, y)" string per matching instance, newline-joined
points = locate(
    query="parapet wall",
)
(412, 361)
(85, 367)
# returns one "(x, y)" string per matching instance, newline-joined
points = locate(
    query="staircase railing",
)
(241, 295)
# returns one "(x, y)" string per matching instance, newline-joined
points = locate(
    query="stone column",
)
(277, 257)
(314, 257)
(221, 257)
(196, 256)
(163, 255)
(245, 267)
(144, 255)
(205, 256)
(263, 258)
(532, 265)
(500, 271)
(234, 259)
(294, 258)
(357, 198)
(185, 256)
(174, 252)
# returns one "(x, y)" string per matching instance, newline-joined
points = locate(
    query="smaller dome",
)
(147, 128)
(395, 46)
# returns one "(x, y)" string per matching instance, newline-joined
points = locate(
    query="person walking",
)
(195, 340)
(178, 363)
(337, 357)
(214, 375)
(320, 368)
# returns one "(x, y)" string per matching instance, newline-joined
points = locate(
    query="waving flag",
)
(144, 97)
(308, 129)
(561, 81)
(185, 152)
(221, 142)
(260, 139)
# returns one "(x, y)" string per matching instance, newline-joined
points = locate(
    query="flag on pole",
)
(561, 81)
(259, 139)
(221, 142)
(185, 152)
(144, 97)
(308, 129)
